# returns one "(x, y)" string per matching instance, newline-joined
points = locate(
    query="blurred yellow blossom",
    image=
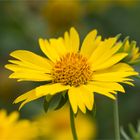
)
(56, 126)
(13, 129)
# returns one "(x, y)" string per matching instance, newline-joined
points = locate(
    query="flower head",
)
(94, 67)
(132, 50)
(12, 128)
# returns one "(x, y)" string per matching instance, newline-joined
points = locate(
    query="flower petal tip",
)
(72, 29)
(84, 111)
(20, 107)
(12, 53)
(40, 40)
(74, 110)
(15, 101)
(11, 76)
(6, 66)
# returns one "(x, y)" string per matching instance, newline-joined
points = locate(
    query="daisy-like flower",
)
(94, 67)
(132, 50)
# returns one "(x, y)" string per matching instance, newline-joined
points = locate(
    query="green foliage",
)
(134, 133)
(54, 102)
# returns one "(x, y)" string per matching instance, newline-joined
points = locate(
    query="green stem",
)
(73, 125)
(116, 120)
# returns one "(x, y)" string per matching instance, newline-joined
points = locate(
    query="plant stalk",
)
(116, 120)
(73, 129)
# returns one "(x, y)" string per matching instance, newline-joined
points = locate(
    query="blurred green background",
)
(22, 22)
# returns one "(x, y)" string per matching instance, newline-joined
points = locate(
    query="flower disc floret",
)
(72, 69)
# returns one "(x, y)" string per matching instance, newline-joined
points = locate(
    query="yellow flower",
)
(12, 128)
(132, 50)
(60, 124)
(81, 71)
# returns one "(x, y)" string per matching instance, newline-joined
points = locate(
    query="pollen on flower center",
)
(72, 69)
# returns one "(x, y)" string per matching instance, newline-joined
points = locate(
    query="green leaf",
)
(136, 62)
(54, 102)
(133, 43)
(132, 131)
(135, 134)
(124, 134)
(45, 105)
(123, 43)
(62, 102)
(118, 36)
(138, 127)
(48, 97)
(125, 39)
(137, 76)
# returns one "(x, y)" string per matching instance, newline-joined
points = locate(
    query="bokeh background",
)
(22, 22)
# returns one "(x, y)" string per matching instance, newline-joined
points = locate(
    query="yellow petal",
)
(111, 41)
(75, 40)
(73, 100)
(31, 66)
(18, 68)
(106, 55)
(26, 97)
(72, 40)
(88, 97)
(48, 50)
(116, 73)
(51, 89)
(80, 97)
(27, 74)
(103, 47)
(129, 83)
(113, 60)
(74, 97)
(90, 43)
(101, 90)
(97, 53)
(31, 76)
(108, 86)
(59, 46)
(126, 46)
(117, 68)
(113, 76)
(28, 58)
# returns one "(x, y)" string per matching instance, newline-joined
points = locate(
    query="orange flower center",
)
(72, 69)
